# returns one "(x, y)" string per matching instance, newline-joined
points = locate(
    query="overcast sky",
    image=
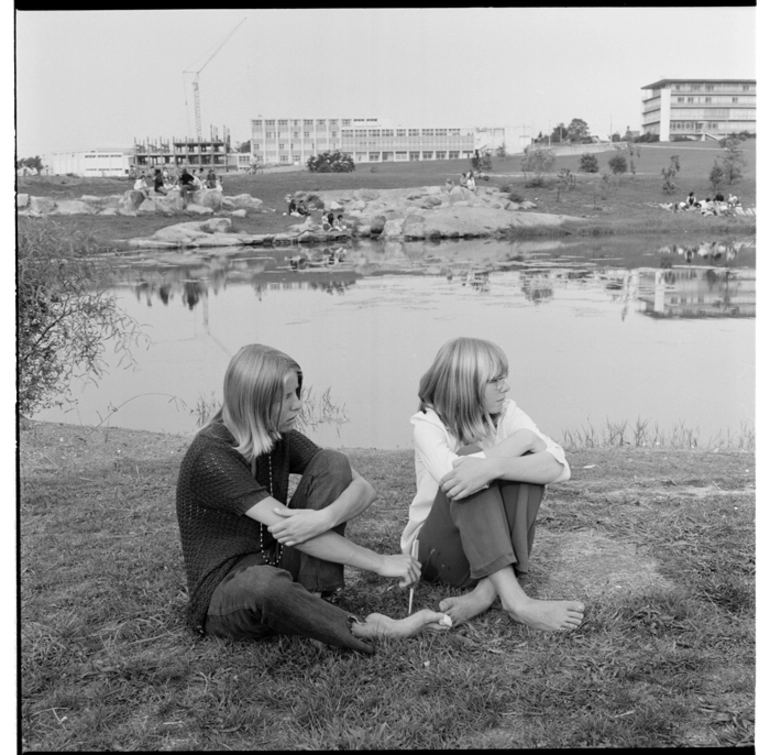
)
(89, 79)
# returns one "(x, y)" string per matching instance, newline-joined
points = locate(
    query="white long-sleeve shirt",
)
(435, 448)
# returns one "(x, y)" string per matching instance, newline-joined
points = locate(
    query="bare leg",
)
(470, 604)
(379, 625)
(553, 615)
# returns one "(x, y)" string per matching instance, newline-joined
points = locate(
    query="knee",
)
(335, 464)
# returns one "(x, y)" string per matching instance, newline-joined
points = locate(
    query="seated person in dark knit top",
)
(257, 564)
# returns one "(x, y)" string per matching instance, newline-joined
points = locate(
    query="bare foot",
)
(550, 615)
(379, 625)
(465, 607)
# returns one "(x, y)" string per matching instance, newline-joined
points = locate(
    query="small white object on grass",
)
(446, 620)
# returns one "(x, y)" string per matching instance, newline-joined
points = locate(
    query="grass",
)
(628, 204)
(659, 542)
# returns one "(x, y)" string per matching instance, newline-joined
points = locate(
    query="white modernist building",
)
(369, 140)
(699, 108)
(95, 163)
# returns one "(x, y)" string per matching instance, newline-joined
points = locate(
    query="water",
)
(595, 332)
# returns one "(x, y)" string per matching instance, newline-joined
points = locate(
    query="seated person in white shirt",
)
(482, 466)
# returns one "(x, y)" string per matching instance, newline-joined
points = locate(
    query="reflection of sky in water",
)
(580, 346)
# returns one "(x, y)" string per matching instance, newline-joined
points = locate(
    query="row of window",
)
(368, 132)
(705, 99)
(92, 156)
(387, 156)
(322, 122)
(694, 125)
(708, 87)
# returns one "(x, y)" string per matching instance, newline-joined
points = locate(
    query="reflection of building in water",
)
(698, 292)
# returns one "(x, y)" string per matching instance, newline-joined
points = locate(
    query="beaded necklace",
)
(262, 526)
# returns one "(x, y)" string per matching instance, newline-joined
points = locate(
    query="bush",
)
(331, 162)
(716, 176)
(588, 163)
(538, 161)
(515, 196)
(64, 316)
(618, 164)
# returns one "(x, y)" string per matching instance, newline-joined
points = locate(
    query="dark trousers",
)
(255, 600)
(464, 541)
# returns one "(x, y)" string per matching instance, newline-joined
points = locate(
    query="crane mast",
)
(196, 81)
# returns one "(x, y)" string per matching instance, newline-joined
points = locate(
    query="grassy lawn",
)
(658, 542)
(620, 205)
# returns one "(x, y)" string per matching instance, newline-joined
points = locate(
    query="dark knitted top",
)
(214, 490)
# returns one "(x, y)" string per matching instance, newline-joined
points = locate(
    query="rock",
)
(227, 203)
(527, 205)
(196, 209)
(147, 207)
(74, 207)
(208, 198)
(22, 200)
(43, 205)
(238, 213)
(392, 228)
(109, 211)
(131, 200)
(246, 202)
(414, 226)
(367, 195)
(217, 225)
(377, 224)
(430, 201)
(335, 206)
(359, 204)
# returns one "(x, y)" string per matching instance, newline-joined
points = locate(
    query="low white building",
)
(94, 163)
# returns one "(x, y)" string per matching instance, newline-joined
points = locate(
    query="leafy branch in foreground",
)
(65, 316)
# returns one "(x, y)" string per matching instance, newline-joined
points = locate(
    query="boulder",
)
(238, 213)
(414, 226)
(227, 203)
(131, 200)
(22, 200)
(147, 207)
(196, 209)
(335, 206)
(359, 204)
(43, 205)
(430, 202)
(376, 224)
(527, 205)
(109, 211)
(246, 202)
(217, 225)
(392, 228)
(208, 198)
(74, 207)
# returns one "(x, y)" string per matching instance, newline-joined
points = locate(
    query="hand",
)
(400, 566)
(469, 475)
(298, 525)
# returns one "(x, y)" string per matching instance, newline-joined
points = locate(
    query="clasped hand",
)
(298, 525)
(469, 475)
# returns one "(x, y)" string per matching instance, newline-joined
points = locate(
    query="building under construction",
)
(190, 153)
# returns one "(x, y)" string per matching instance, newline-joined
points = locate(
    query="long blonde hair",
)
(454, 386)
(253, 397)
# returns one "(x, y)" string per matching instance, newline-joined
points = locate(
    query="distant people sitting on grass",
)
(186, 185)
(158, 182)
(690, 200)
(259, 561)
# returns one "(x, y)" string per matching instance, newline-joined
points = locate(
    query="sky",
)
(93, 79)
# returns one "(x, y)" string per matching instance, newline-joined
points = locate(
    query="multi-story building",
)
(94, 163)
(699, 108)
(368, 140)
(188, 153)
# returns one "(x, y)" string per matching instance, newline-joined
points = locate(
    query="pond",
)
(597, 332)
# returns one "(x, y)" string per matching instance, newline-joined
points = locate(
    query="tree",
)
(65, 317)
(733, 162)
(717, 175)
(578, 131)
(501, 151)
(331, 162)
(669, 174)
(245, 146)
(538, 161)
(31, 162)
(559, 134)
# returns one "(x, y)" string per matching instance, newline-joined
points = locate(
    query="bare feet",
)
(379, 625)
(464, 607)
(549, 615)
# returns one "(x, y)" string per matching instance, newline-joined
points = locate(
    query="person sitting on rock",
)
(338, 224)
(186, 185)
(158, 182)
(463, 180)
(141, 185)
(302, 208)
(211, 179)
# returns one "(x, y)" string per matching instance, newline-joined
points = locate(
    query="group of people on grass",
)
(329, 222)
(260, 562)
(162, 182)
(717, 205)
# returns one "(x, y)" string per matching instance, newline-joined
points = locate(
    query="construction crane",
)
(195, 87)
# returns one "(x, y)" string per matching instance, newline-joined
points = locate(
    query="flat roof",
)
(657, 84)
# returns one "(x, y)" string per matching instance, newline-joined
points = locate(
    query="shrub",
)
(618, 164)
(588, 163)
(65, 316)
(331, 162)
(669, 174)
(538, 161)
(515, 196)
(716, 176)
